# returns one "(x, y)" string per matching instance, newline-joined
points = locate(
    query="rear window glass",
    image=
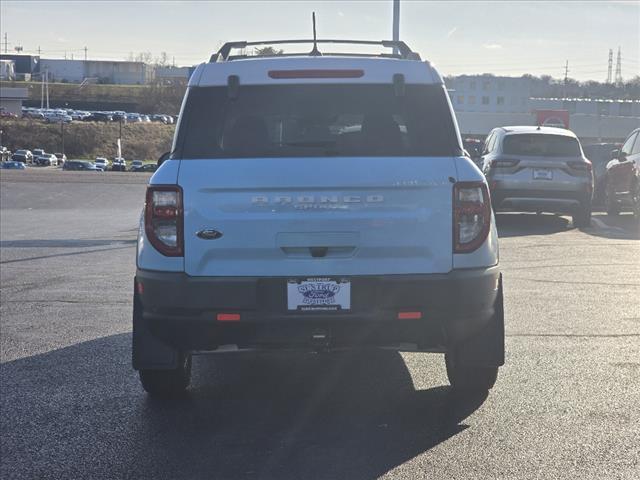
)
(541, 145)
(316, 120)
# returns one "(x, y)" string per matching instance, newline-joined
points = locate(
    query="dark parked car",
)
(118, 165)
(148, 167)
(13, 165)
(80, 165)
(599, 154)
(474, 149)
(24, 156)
(622, 189)
(100, 117)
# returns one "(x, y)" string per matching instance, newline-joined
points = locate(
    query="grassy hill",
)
(140, 141)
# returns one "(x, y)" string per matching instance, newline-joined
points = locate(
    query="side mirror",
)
(163, 157)
(615, 154)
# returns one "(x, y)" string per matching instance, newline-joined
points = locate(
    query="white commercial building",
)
(487, 93)
(483, 102)
(75, 71)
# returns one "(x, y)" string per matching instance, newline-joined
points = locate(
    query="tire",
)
(468, 378)
(636, 201)
(473, 365)
(167, 383)
(612, 207)
(582, 217)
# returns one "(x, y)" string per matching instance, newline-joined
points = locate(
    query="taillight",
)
(581, 165)
(163, 219)
(471, 216)
(503, 163)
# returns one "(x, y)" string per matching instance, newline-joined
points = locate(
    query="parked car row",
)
(68, 115)
(37, 157)
(546, 169)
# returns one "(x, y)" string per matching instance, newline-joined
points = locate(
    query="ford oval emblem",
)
(209, 234)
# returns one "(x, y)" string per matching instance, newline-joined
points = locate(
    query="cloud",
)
(492, 46)
(451, 32)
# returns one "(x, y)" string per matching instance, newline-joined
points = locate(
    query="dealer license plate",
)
(542, 174)
(319, 294)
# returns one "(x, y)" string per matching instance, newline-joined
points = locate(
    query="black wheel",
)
(469, 378)
(472, 366)
(612, 207)
(582, 217)
(636, 201)
(167, 383)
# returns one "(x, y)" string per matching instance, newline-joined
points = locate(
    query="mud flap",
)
(149, 353)
(486, 348)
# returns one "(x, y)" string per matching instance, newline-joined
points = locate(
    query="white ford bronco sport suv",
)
(317, 202)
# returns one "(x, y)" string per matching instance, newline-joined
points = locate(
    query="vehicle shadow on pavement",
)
(63, 243)
(523, 224)
(79, 412)
(621, 227)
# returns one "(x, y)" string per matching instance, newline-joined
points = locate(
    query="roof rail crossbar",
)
(404, 51)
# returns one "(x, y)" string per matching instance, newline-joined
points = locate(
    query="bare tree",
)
(267, 52)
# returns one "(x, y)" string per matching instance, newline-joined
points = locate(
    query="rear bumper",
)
(556, 201)
(181, 311)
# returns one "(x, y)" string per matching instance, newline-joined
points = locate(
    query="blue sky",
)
(505, 38)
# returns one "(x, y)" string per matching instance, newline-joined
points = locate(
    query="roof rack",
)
(404, 52)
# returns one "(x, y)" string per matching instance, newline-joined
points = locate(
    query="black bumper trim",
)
(182, 310)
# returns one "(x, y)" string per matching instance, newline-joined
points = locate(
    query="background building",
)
(11, 99)
(76, 71)
(487, 93)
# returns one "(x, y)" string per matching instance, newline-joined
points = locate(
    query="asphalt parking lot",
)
(565, 405)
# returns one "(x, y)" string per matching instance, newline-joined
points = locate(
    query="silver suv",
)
(538, 169)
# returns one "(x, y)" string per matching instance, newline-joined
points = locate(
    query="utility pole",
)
(41, 91)
(62, 136)
(396, 24)
(610, 66)
(85, 54)
(566, 78)
(619, 68)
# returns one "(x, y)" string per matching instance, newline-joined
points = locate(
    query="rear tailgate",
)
(318, 216)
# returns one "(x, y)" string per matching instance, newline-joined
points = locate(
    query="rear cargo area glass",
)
(541, 145)
(354, 120)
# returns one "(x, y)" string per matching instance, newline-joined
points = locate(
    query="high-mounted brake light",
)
(316, 73)
(163, 219)
(471, 216)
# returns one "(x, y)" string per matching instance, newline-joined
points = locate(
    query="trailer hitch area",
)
(320, 340)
